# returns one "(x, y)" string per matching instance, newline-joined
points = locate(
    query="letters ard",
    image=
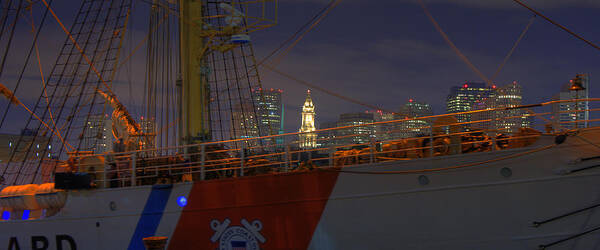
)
(63, 242)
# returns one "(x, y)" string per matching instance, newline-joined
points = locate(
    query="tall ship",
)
(205, 166)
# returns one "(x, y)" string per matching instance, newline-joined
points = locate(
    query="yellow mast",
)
(194, 93)
(201, 35)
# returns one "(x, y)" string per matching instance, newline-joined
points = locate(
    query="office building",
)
(355, 134)
(503, 121)
(564, 116)
(412, 127)
(270, 111)
(462, 98)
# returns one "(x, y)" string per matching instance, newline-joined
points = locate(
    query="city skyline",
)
(359, 66)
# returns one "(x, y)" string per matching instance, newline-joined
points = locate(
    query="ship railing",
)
(396, 140)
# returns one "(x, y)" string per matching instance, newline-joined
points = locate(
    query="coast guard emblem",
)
(246, 236)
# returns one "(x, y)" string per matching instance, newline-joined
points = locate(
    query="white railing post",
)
(133, 168)
(372, 149)
(105, 174)
(495, 128)
(431, 149)
(287, 158)
(242, 158)
(331, 154)
(202, 161)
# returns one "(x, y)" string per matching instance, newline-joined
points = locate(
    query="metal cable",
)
(10, 38)
(557, 24)
(451, 44)
(513, 48)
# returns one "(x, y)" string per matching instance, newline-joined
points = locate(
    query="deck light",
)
(6, 215)
(181, 201)
(26, 214)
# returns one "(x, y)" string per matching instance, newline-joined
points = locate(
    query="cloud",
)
(380, 73)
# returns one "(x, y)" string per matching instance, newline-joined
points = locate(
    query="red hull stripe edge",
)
(260, 212)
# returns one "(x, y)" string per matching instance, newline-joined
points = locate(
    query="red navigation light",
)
(410, 100)
(466, 85)
(493, 86)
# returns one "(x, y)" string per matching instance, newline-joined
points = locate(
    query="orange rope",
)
(451, 44)
(558, 25)
(139, 45)
(37, 53)
(87, 60)
(280, 57)
(513, 48)
(46, 125)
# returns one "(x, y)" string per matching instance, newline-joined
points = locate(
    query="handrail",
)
(423, 118)
(382, 141)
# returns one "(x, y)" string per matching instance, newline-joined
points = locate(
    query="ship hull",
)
(484, 206)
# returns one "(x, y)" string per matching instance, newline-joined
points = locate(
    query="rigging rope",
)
(35, 38)
(37, 54)
(283, 44)
(557, 24)
(85, 57)
(139, 45)
(513, 48)
(452, 45)
(315, 23)
(10, 38)
(5, 17)
(317, 19)
(329, 92)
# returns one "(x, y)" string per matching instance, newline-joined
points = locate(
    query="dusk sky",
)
(385, 52)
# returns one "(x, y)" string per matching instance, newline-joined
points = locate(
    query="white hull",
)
(468, 208)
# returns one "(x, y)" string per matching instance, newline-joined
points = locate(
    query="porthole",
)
(506, 172)
(423, 180)
(112, 205)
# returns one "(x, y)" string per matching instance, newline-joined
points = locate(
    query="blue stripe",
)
(153, 211)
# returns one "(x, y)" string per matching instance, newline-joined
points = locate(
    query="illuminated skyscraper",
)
(308, 140)
(505, 121)
(462, 98)
(564, 117)
(358, 134)
(384, 131)
(270, 110)
(244, 125)
(412, 127)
